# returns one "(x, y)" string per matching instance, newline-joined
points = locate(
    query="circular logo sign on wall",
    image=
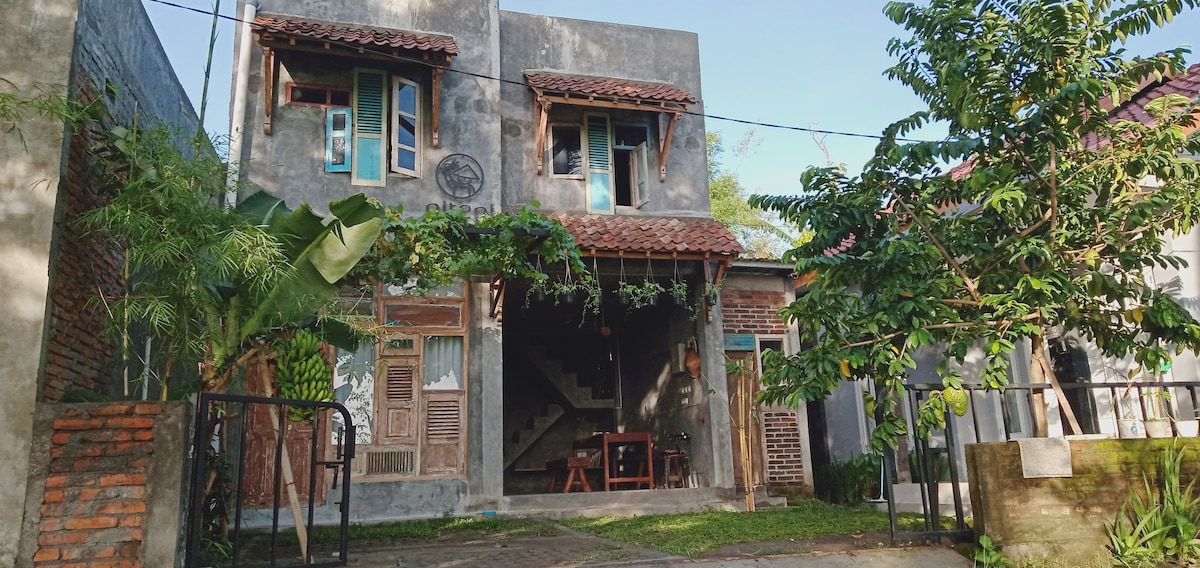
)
(460, 176)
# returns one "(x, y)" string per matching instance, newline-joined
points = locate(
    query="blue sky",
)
(801, 63)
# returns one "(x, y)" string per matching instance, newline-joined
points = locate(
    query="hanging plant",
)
(644, 294)
(678, 288)
(590, 287)
(539, 285)
(564, 290)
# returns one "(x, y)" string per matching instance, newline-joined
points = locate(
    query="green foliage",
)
(641, 294)
(1157, 526)
(693, 534)
(440, 246)
(754, 227)
(849, 482)
(1048, 225)
(986, 555)
(49, 102)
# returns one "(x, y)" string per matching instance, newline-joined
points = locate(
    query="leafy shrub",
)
(849, 481)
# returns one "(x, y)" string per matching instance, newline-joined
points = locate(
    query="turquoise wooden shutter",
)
(368, 158)
(641, 170)
(599, 165)
(337, 139)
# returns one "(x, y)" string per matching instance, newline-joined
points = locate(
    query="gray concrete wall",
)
(35, 51)
(289, 163)
(485, 402)
(116, 45)
(605, 50)
(166, 510)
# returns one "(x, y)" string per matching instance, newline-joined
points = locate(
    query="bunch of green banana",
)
(301, 373)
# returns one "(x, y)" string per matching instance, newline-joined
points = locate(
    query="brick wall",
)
(752, 311)
(1063, 517)
(785, 461)
(80, 354)
(95, 503)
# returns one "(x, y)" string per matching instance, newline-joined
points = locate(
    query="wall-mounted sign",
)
(739, 342)
(460, 176)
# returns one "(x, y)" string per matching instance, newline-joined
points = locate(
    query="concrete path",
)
(572, 550)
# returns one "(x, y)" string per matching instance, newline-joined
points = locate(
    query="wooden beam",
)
(268, 88)
(602, 103)
(664, 146)
(724, 259)
(541, 113)
(278, 43)
(437, 102)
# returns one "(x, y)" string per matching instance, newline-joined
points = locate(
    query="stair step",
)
(525, 437)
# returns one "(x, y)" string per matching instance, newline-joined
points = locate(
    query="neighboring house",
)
(455, 104)
(846, 428)
(52, 343)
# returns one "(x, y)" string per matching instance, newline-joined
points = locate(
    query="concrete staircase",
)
(517, 442)
(566, 382)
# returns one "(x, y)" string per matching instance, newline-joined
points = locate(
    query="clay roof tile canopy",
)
(607, 87)
(355, 35)
(650, 235)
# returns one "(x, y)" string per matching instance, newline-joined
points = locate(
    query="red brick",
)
(123, 507)
(46, 554)
(60, 438)
(130, 422)
(51, 524)
(54, 496)
(56, 481)
(123, 479)
(143, 435)
(131, 521)
(77, 424)
(91, 523)
(148, 409)
(113, 410)
(62, 537)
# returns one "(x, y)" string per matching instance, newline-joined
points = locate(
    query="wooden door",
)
(442, 448)
(258, 475)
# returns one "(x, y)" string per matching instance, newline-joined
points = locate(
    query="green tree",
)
(728, 200)
(1051, 226)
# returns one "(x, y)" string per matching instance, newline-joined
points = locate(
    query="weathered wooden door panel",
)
(442, 446)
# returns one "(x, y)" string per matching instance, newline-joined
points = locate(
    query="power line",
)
(522, 84)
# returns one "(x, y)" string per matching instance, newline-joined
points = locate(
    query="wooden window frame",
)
(329, 89)
(416, 354)
(393, 128)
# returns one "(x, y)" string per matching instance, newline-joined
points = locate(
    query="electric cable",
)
(522, 84)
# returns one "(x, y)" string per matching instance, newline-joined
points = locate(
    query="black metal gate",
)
(227, 526)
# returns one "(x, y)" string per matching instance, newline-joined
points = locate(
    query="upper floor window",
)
(617, 164)
(317, 95)
(566, 151)
(371, 138)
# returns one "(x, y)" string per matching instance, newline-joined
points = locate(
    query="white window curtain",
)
(443, 363)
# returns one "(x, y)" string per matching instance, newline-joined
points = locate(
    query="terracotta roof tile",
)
(607, 87)
(356, 34)
(1186, 84)
(650, 234)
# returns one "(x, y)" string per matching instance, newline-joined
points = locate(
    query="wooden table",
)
(625, 457)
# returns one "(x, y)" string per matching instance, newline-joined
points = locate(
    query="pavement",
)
(569, 549)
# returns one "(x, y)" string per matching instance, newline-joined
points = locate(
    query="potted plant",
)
(641, 296)
(679, 291)
(1158, 422)
(1129, 426)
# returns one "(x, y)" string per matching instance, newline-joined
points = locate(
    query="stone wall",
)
(105, 486)
(1063, 518)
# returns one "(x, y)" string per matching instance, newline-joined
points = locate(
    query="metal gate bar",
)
(232, 414)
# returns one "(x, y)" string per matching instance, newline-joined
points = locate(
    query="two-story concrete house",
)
(481, 389)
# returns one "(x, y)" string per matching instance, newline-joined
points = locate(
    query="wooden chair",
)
(570, 472)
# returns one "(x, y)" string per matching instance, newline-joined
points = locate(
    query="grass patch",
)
(429, 529)
(696, 533)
